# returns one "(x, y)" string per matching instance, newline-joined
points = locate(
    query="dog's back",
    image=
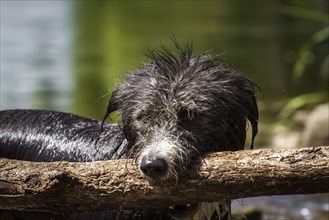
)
(41, 135)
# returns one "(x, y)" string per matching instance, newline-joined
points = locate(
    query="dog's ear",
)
(112, 106)
(114, 103)
(253, 118)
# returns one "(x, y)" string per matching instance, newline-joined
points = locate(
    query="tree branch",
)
(116, 184)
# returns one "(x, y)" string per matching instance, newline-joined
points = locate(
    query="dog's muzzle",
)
(158, 159)
(153, 167)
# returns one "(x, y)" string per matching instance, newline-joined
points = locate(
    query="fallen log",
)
(103, 185)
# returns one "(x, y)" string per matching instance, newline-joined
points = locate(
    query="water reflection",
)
(297, 207)
(35, 55)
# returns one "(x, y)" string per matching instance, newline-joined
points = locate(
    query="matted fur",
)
(182, 106)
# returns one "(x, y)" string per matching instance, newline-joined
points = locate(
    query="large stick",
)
(116, 184)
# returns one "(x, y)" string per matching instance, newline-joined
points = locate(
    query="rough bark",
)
(116, 184)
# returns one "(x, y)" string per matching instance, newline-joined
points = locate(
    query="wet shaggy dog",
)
(174, 110)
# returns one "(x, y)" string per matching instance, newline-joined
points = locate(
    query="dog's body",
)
(174, 110)
(41, 135)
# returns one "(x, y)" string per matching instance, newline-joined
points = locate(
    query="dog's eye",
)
(186, 115)
(146, 119)
(191, 115)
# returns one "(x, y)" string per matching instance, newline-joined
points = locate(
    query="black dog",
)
(174, 110)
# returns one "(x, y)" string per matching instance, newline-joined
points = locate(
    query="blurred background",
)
(69, 55)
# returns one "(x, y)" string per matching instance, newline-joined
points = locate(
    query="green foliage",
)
(303, 55)
(305, 14)
(302, 101)
(305, 50)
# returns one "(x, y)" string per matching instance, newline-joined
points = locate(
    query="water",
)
(35, 55)
(63, 56)
(296, 207)
(66, 55)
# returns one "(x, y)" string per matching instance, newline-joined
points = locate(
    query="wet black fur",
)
(155, 96)
(42, 135)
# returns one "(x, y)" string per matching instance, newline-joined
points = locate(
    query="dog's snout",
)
(153, 168)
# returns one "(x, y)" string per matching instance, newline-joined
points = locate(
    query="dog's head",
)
(179, 107)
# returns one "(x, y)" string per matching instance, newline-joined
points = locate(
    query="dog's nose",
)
(153, 168)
